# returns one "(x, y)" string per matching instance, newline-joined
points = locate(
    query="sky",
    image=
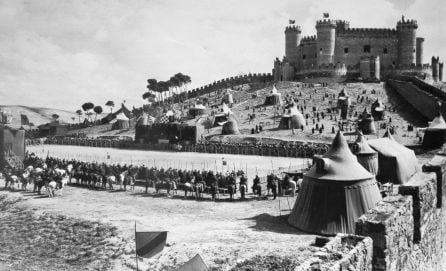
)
(63, 53)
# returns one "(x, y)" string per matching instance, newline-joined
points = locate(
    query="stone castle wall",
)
(407, 230)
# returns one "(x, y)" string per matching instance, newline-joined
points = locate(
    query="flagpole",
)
(136, 254)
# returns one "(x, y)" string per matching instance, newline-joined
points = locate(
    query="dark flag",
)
(326, 15)
(292, 21)
(194, 264)
(24, 119)
(148, 244)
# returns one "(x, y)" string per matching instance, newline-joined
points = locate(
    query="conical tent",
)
(378, 110)
(367, 157)
(230, 127)
(275, 98)
(366, 124)
(293, 119)
(435, 134)
(334, 193)
(396, 162)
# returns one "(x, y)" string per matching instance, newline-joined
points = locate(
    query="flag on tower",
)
(292, 21)
(326, 15)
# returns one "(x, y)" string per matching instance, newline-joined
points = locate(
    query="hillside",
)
(39, 115)
(250, 99)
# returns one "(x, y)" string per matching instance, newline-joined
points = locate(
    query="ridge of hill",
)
(38, 115)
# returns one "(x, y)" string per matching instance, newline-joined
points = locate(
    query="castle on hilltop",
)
(368, 53)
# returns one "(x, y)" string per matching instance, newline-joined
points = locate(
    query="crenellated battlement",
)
(326, 23)
(407, 24)
(293, 28)
(308, 39)
(382, 31)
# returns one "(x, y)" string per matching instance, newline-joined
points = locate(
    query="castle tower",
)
(435, 68)
(277, 71)
(440, 72)
(326, 35)
(292, 40)
(419, 49)
(407, 33)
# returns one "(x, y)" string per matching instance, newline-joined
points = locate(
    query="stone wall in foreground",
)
(408, 229)
(405, 231)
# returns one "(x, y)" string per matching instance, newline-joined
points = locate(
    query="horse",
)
(126, 178)
(232, 189)
(199, 188)
(187, 187)
(243, 189)
(165, 184)
(27, 177)
(110, 180)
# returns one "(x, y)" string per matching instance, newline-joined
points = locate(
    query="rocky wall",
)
(408, 229)
(342, 253)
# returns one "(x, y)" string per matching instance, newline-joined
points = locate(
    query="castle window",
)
(345, 50)
(304, 56)
(366, 48)
(385, 51)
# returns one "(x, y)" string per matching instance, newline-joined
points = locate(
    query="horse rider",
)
(256, 188)
(243, 185)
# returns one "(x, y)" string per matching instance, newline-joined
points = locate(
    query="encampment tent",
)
(335, 192)
(435, 133)
(293, 119)
(121, 122)
(396, 162)
(367, 157)
(275, 98)
(366, 124)
(230, 127)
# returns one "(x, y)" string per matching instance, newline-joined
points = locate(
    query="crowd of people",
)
(97, 176)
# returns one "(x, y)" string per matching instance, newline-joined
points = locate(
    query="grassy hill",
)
(38, 115)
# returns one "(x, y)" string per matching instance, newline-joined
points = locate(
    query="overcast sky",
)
(56, 53)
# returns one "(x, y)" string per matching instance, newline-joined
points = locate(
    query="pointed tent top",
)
(362, 146)
(274, 90)
(388, 134)
(437, 123)
(338, 164)
(343, 93)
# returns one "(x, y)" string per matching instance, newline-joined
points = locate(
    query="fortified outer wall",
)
(424, 97)
(425, 103)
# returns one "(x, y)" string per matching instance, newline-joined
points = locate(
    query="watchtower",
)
(407, 33)
(326, 35)
(292, 40)
(419, 49)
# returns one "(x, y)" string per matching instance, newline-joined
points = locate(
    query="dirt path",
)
(224, 233)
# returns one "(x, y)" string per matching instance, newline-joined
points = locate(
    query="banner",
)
(148, 244)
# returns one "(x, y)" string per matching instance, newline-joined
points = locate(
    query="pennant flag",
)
(194, 264)
(292, 21)
(148, 244)
(24, 119)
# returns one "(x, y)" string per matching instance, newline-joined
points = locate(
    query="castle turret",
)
(277, 71)
(407, 33)
(326, 35)
(435, 67)
(440, 72)
(419, 49)
(292, 40)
